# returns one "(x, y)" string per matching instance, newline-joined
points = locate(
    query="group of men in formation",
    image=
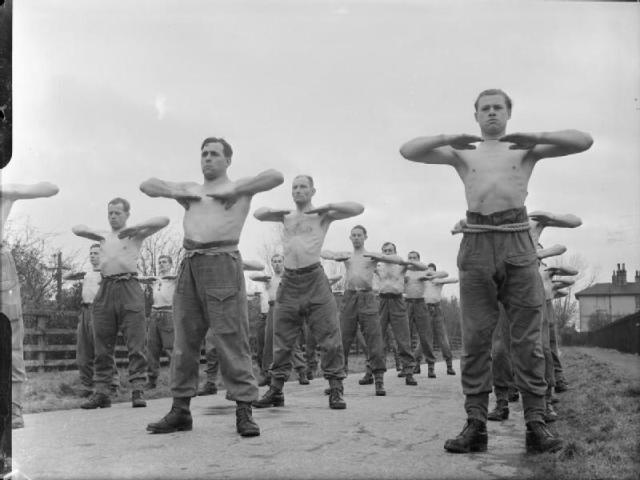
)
(506, 290)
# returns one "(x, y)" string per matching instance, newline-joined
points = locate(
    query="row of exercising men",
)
(497, 264)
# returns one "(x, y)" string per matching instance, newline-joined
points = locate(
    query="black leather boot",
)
(335, 395)
(97, 400)
(245, 425)
(178, 419)
(273, 398)
(379, 382)
(473, 438)
(501, 412)
(539, 438)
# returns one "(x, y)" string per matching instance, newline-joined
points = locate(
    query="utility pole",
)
(58, 275)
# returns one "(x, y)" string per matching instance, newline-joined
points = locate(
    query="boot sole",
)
(338, 407)
(181, 428)
(138, 405)
(381, 394)
(97, 406)
(276, 404)
(504, 416)
(472, 449)
(251, 433)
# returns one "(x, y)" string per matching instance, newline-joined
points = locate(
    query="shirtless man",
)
(502, 369)
(304, 291)
(423, 292)
(210, 289)
(359, 304)
(210, 386)
(10, 302)
(160, 330)
(495, 174)
(85, 347)
(392, 308)
(119, 303)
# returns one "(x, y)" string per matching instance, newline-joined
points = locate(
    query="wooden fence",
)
(50, 339)
(622, 335)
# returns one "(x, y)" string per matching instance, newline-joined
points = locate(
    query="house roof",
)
(608, 289)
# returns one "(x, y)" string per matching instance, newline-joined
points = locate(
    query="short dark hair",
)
(226, 148)
(125, 203)
(392, 244)
(275, 255)
(308, 177)
(95, 245)
(494, 91)
(167, 257)
(413, 251)
(432, 265)
(364, 230)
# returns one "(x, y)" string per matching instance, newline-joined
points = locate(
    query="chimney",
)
(637, 279)
(623, 275)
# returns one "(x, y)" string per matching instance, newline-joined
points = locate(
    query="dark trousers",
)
(428, 321)
(119, 305)
(159, 339)
(261, 324)
(501, 267)
(85, 350)
(306, 296)
(548, 317)
(501, 367)
(210, 294)
(558, 373)
(361, 308)
(393, 312)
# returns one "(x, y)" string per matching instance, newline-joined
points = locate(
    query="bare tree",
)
(566, 308)
(271, 244)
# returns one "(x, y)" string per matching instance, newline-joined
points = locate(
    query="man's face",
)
(413, 257)
(94, 257)
(212, 161)
(117, 216)
(301, 190)
(357, 238)
(277, 263)
(431, 269)
(388, 250)
(492, 114)
(164, 266)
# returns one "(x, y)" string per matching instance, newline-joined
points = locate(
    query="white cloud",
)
(161, 106)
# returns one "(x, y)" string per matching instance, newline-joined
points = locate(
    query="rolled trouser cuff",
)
(477, 406)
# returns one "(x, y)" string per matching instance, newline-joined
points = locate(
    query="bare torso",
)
(495, 178)
(207, 219)
(360, 270)
(432, 291)
(119, 255)
(391, 277)
(413, 287)
(303, 238)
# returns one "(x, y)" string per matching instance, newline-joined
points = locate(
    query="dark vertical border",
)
(6, 123)
(5, 395)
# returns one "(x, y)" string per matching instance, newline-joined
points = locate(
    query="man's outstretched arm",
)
(550, 144)
(144, 229)
(23, 192)
(265, 214)
(252, 265)
(548, 219)
(86, 232)
(335, 256)
(338, 211)
(438, 149)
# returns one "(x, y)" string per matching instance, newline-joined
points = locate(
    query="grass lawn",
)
(600, 421)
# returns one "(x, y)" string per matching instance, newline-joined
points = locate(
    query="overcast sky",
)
(108, 94)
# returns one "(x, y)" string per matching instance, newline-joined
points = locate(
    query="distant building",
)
(604, 303)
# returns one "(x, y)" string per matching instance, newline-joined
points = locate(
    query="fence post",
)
(42, 341)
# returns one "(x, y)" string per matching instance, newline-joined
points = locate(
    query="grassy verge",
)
(600, 423)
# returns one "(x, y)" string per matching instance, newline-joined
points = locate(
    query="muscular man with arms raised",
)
(11, 303)
(497, 259)
(210, 288)
(119, 303)
(304, 291)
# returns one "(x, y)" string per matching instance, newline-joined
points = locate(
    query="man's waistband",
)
(271, 303)
(431, 304)
(358, 290)
(390, 295)
(121, 277)
(412, 299)
(189, 244)
(503, 217)
(85, 304)
(163, 308)
(303, 270)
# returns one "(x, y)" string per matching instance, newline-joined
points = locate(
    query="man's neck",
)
(277, 274)
(359, 249)
(303, 207)
(493, 136)
(220, 179)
